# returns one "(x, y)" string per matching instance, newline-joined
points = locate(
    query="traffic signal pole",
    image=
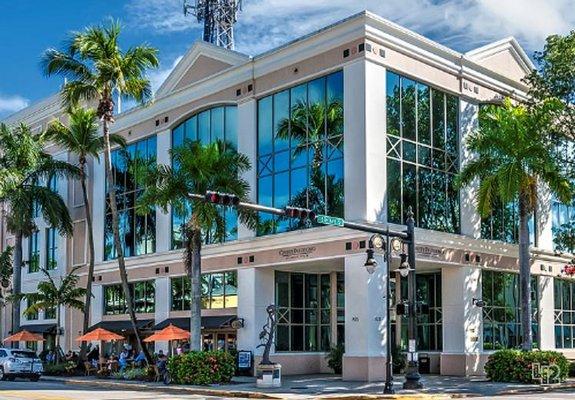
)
(412, 377)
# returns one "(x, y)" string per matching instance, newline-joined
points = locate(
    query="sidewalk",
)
(332, 387)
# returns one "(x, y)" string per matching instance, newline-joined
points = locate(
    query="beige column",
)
(462, 321)
(546, 312)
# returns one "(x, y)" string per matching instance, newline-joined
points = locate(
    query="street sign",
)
(328, 220)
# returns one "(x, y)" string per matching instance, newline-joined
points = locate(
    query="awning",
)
(123, 326)
(211, 322)
(39, 328)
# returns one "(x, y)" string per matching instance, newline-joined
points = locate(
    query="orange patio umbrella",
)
(24, 336)
(168, 334)
(101, 335)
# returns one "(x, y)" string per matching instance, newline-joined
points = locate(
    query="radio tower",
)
(218, 16)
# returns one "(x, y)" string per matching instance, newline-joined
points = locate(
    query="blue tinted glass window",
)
(137, 233)
(300, 151)
(208, 126)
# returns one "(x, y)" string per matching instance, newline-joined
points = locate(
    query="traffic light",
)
(301, 213)
(225, 199)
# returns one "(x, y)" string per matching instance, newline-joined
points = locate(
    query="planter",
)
(269, 375)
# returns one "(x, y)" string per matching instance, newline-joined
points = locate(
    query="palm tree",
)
(514, 157)
(309, 124)
(97, 68)
(25, 164)
(52, 296)
(6, 266)
(81, 138)
(198, 168)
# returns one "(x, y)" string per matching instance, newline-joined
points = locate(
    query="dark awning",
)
(211, 322)
(39, 328)
(123, 326)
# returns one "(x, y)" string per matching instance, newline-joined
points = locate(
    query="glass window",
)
(430, 322)
(143, 298)
(51, 249)
(563, 215)
(219, 290)
(300, 151)
(564, 313)
(50, 313)
(208, 126)
(422, 154)
(33, 253)
(33, 316)
(304, 311)
(502, 310)
(137, 232)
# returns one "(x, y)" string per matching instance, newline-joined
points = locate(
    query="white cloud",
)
(461, 24)
(158, 76)
(11, 104)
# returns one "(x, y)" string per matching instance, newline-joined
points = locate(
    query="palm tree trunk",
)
(117, 240)
(194, 266)
(91, 262)
(525, 274)
(17, 281)
(57, 341)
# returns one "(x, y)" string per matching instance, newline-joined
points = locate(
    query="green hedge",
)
(202, 368)
(516, 365)
(62, 369)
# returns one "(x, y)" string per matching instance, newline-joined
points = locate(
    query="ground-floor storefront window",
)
(429, 320)
(305, 308)
(219, 340)
(564, 313)
(502, 310)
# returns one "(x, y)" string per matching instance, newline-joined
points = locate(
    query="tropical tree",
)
(81, 138)
(316, 127)
(197, 169)
(96, 68)
(25, 166)
(555, 78)
(309, 124)
(6, 267)
(52, 295)
(513, 158)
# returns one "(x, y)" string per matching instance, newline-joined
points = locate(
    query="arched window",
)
(208, 126)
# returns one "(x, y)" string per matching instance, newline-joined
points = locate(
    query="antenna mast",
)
(218, 16)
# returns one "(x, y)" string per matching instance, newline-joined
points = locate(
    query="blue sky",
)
(27, 28)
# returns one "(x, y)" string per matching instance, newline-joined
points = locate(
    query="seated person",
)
(162, 362)
(123, 360)
(140, 358)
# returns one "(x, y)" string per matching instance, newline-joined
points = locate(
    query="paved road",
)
(24, 390)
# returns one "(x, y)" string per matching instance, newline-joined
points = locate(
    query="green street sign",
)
(328, 220)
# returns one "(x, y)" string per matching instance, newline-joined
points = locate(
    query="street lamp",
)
(378, 242)
(412, 377)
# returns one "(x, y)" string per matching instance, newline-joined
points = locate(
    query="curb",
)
(173, 388)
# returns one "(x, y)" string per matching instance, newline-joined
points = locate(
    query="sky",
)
(29, 27)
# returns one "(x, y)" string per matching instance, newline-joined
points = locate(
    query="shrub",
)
(201, 367)
(399, 360)
(134, 374)
(62, 369)
(516, 365)
(334, 358)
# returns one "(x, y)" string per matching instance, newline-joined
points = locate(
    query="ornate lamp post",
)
(377, 242)
(412, 377)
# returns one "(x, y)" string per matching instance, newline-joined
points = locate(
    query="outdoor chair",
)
(89, 368)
